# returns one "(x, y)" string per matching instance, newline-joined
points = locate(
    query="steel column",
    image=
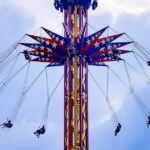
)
(76, 88)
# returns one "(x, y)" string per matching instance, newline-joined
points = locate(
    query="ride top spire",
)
(65, 4)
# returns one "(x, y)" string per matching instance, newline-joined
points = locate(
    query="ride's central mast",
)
(76, 76)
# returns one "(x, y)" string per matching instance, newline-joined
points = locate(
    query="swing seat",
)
(7, 124)
(40, 131)
(148, 63)
(118, 129)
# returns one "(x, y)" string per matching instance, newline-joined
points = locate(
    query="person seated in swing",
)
(40, 131)
(7, 124)
(113, 54)
(148, 122)
(115, 57)
(148, 63)
(26, 55)
(118, 129)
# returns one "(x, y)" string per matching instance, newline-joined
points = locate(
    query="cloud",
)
(22, 137)
(116, 8)
(137, 26)
(43, 12)
(13, 25)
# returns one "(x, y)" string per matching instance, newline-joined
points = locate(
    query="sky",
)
(18, 17)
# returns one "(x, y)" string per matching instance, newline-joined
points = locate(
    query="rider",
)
(26, 54)
(7, 124)
(118, 129)
(40, 131)
(148, 122)
(113, 54)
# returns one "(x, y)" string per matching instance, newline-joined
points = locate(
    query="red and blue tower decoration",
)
(76, 50)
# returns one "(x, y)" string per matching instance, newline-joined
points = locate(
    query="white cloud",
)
(43, 12)
(116, 8)
(22, 134)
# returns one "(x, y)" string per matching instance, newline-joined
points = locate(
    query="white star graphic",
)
(88, 42)
(109, 47)
(42, 47)
(115, 46)
(57, 38)
(103, 41)
(54, 45)
(108, 40)
(110, 52)
(42, 41)
(38, 39)
(102, 50)
(42, 53)
(96, 45)
(43, 59)
(47, 42)
(49, 50)
(93, 38)
(36, 53)
(36, 47)
(96, 35)
(62, 42)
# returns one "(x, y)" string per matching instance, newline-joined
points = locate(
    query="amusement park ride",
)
(76, 50)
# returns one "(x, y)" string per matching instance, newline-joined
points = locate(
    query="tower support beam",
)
(76, 87)
(76, 105)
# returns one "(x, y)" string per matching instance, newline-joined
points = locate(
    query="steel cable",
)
(134, 93)
(49, 96)
(106, 98)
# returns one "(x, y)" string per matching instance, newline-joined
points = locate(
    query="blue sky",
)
(18, 17)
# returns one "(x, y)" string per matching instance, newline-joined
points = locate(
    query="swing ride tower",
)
(76, 82)
(76, 77)
(76, 87)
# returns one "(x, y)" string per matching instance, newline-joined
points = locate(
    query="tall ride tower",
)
(76, 76)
